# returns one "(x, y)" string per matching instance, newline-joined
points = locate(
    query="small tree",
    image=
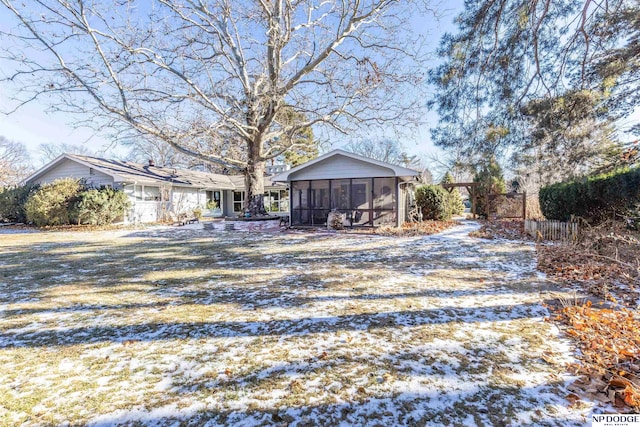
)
(433, 201)
(455, 199)
(98, 206)
(491, 181)
(50, 204)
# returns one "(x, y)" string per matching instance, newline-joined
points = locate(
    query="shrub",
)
(433, 201)
(12, 201)
(490, 179)
(594, 198)
(50, 204)
(98, 206)
(455, 203)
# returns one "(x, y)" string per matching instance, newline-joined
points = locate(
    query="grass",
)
(154, 327)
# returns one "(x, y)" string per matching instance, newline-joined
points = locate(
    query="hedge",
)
(68, 201)
(434, 202)
(12, 200)
(98, 206)
(594, 198)
(51, 203)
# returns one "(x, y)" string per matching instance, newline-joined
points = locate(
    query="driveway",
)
(235, 328)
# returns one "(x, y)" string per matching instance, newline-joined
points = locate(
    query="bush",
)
(12, 201)
(98, 206)
(51, 203)
(433, 201)
(491, 181)
(594, 198)
(455, 203)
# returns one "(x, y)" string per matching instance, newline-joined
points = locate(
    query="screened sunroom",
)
(366, 192)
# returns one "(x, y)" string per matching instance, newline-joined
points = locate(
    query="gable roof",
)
(396, 170)
(128, 172)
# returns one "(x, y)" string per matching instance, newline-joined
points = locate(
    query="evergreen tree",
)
(455, 199)
(513, 64)
(491, 181)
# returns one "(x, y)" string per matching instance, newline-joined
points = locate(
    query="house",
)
(156, 193)
(367, 192)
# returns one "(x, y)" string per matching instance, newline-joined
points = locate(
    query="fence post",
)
(524, 205)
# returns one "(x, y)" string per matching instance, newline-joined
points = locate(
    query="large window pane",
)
(320, 194)
(300, 217)
(384, 218)
(384, 193)
(151, 193)
(360, 193)
(238, 201)
(361, 217)
(319, 216)
(284, 200)
(299, 190)
(340, 194)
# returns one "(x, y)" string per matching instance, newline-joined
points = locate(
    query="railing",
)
(551, 230)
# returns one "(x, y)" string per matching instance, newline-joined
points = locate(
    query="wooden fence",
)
(551, 230)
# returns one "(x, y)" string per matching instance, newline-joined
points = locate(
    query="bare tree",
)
(208, 78)
(388, 150)
(143, 150)
(49, 151)
(15, 164)
(450, 162)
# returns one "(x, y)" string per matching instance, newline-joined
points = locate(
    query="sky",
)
(33, 125)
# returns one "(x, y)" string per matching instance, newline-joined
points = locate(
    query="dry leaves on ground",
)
(416, 228)
(609, 342)
(501, 229)
(603, 263)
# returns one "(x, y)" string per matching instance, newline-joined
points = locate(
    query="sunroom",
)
(367, 192)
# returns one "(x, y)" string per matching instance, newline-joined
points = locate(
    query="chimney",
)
(151, 163)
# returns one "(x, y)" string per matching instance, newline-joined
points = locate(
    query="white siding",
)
(185, 200)
(70, 169)
(338, 167)
(144, 211)
(228, 203)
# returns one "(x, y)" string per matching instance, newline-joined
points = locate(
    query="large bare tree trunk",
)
(254, 181)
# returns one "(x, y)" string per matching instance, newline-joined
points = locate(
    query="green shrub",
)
(455, 203)
(433, 201)
(594, 198)
(491, 181)
(98, 206)
(12, 201)
(51, 203)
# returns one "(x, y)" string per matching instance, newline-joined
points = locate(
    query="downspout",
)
(404, 213)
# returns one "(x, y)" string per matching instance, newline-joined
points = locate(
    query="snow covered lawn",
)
(212, 327)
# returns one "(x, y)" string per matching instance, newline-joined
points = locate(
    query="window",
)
(238, 201)
(151, 193)
(276, 201)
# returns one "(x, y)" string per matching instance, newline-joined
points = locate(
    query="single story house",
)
(367, 192)
(156, 193)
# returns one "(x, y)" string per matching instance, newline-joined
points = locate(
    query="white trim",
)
(397, 170)
(62, 157)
